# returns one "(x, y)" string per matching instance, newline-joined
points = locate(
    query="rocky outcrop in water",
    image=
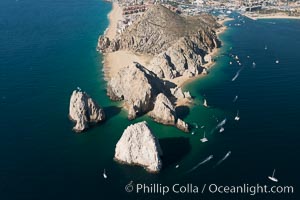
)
(179, 94)
(182, 125)
(84, 110)
(164, 111)
(137, 86)
(138, 146)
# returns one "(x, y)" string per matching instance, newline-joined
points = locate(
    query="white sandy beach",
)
(114, 16)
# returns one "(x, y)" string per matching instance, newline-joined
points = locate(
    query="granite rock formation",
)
(137, 86)
(164, 111)
(179, 94)
(182, 125)
(138, 146)
(84, 110)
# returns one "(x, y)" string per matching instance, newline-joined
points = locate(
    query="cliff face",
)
(138, 146)
(84, 110)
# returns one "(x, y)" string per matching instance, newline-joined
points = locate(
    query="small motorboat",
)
(237, 117)
(104, 174)
(272, 178)
(221, 129)
(204, 139)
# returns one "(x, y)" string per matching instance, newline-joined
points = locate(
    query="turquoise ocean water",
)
(47, 49)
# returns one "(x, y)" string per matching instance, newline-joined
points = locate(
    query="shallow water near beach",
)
(48, 49)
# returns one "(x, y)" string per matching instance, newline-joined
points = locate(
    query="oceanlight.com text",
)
(249, 189)
(160, 189)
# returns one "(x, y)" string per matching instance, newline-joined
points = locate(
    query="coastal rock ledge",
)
(138, 146)
(84, 110)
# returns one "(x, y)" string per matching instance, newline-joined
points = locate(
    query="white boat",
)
(230, 63)
(266, 47)
(237, 117)
(79, 89)
(253, 64)
(205, 103)
(104, 174)
(202, 126)
(235, 98)
(236, 57)
(193, 133)
(204, 139)
(221, 129)
(176, 166)
(272, 178)
(277, 61)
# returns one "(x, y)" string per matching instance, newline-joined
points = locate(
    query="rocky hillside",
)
(159, 28)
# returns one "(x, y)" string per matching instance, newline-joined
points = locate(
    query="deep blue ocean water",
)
(47, 49)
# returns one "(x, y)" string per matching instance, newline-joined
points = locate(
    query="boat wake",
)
(219, 126)
(237, 74)
(201, 163)
(223, 159)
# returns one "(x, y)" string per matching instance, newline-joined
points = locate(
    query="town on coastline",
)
(253, 9)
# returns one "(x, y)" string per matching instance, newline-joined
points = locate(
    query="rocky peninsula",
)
(147, 63)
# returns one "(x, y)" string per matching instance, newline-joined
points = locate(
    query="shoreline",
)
(213, 54)
(113, 17)
(270, 16)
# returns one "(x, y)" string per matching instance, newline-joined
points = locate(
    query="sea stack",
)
(138, 146)
(84, 110)
(164, 111)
